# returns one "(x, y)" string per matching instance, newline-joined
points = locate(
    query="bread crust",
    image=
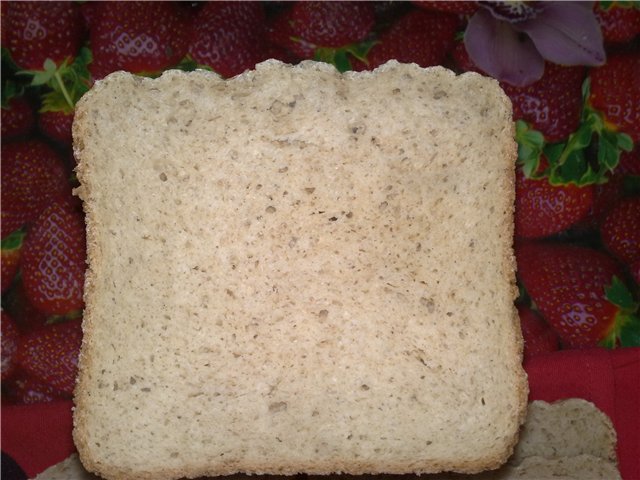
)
(85, 126)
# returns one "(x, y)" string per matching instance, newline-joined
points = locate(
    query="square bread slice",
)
(297, 270)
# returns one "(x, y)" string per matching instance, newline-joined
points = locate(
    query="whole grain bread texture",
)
(579, 467)
(570, 439)
(297, 270)
(68, 469)
(566, 428)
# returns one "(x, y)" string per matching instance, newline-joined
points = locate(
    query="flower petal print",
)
(502, 52)
(511, 40)
(567, 33)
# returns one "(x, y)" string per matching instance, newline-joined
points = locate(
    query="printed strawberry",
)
(332, 32)
(37, 31)
(138, 37)
(620, 232)
(565, 127)
(18, 118)
(16, 303)
(619, 21)
(543, 209)
(27, 390)
(539, 337)
(277, 52)
(57, 126)
(99, 69)
(3, 23)
(462, 59)
(61, 87)
(332, 24)
(279, 32)
(11, 251)
(579, 291)
(420, 36)
(53, 259)
(615, 93)
(228, 37)
(607, 195)
(461, 7)
(50, 354)
(33, 174)
(10, 339)
(387, 11)
(553, 104)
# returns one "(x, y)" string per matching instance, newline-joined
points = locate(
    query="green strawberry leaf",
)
(573, 161)
(334, 56)
(586, 89)
(187, 64)
(325, 55)
(530, 147)
(341, 61)
(49, 66)
(65, 83)
(610, 341)
(607, 4)
(38, 77)
(568, 162)
(10, 89)
(618, 294)
(44, 76)
(625, 332)
(68, 83)
(523, 296)
(82, 61)
(553, 152)
(61, 318)
(12, 85)
(8, 65)
(574, 169)
(340, 57)
(626, 325)
(566, 166)
(360, 50)
(205, 67)
(13, 241)
(631, 185)
(630, 332)
(625, 142)
(608, 154)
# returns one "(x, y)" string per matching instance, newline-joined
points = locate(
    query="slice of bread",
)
(297, 270)
(567, 428)
(68, 469)
(579, 467)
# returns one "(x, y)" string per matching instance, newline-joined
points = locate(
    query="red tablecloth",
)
(40, 436)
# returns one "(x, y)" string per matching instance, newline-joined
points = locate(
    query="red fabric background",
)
(40, 436)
